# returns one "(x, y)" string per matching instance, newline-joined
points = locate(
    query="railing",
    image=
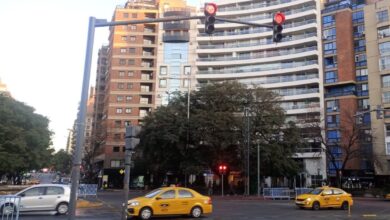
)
(302, 106)
(285, 92)
(253, 6)
(342, 93)
(87, 190)
(183, 37)
(277, 193)
(262, 55)
(335, 7)
(9, 207)
(289, 78)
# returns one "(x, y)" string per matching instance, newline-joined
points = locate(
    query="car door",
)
(326, 196)
(31, 199)
(185, 201)
(336, 199)
(53, 195)
(164, 203)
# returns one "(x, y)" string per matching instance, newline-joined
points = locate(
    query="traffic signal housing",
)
(277, 26)
(222, 169)
(210, 10)
(379, 112)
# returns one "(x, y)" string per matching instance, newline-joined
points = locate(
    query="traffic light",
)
(379, 112)
(210, 10)
(277, 24)
(222, 169)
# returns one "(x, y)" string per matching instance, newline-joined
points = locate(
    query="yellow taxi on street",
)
(325, 197)
(170, 201)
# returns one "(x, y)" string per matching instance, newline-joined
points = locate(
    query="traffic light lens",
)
(279, 18)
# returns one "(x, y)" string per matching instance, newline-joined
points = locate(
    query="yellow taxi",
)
(387, 196)
(170, 201)
(325, 197)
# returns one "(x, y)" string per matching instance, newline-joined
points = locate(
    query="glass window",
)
(53, 190)
(129, 85)
(170, 194)
(330, 62)
(128, 110)
(127, 123)
(163, 83)
(384, 48)
(329, 34)
(163, 70)
(121, 73)
(134, 15)
(330, 48)
(388, 148)
(131, 61)
(382, 16)
(333, 135)
(187, 70)
(123, 50)
(328, 20)
(132, 38)
(327, 192)
(185, 83)
(115, 149)
(386, 81)
(132, 50)
(384, 63)
(330, 77)
(358, 16)
(119, 98)
(120, 85)
(384, 32)
(129, 98)
(37, 191)
(118, 124)
(386, 97)
(115, 163)
(332, 105)
(361, 72)
(337, 192)
(122, 62)
(119, 110)
(124, 38)
(185, 194)
(130, 73)
(133, 27)
(363, 104)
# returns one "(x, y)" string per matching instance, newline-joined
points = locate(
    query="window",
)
(330, 48)
(332, 121)
(119, 111)
(53, 190)
(332, 105)
(337, 192)
(360, 45)
(119, 98)
(384, 32)
(384, 48)
(358, 30)
(123, 50)
(358, 16)
(134, 15)
(170, 194)
(362, 89)
(330, 77)
(333, 136)
(329, 34)
(37, 191)
(186, 83)
(386, 81)
(386, 97)
(382, 16)
(127, 123)
(163, 70)
(327, 192)
(132, 50)
(129, 98)
(133, 27)
(361, 60)
(163, 83)
(328, 20)
(115, 149)
(129, 85)
(363, 104)
(118, 124)
(384, 63)
(121, 73)
(185, 194)
(124, 38)
(132, 38)
(130, 73)
(128, 110)
(187, 70)
(361, 74)
(330, 62)
(120, 85)
(115, 163)
(131, 61)
(122, 62)
(125, 15)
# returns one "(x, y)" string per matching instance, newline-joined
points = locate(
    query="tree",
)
(214, 132)
(24, 138)
(62, 161)
(344, 143)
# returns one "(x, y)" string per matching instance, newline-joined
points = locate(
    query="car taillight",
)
(208, 201)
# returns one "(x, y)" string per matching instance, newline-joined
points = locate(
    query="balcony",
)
(336, 7)
(342, 93)
(185, 25)
(180, 12)
(175, 38)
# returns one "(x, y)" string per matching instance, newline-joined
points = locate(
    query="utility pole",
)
(247, 130)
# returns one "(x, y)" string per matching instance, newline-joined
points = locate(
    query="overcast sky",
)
(42, 54)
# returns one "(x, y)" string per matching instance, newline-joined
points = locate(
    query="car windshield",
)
(315, 191)
(153, 193)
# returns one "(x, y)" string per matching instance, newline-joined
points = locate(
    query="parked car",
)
(170, 201)
(43, 197)
(325, 197)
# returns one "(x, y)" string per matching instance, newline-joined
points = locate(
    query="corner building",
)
(291, 68)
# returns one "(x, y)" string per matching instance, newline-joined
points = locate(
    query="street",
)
(237, 207)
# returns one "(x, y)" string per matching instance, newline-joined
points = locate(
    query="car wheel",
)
(62, 208)
(345, 206)
(7, 209)
(145, 213)
(196, 212)
(316, 206)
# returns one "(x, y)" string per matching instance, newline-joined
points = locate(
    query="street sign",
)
(121, 171)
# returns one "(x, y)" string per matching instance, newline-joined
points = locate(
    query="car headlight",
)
(308, 199)
(133, 203)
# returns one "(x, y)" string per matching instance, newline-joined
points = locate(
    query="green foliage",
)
(62, 161)
(216, 131)
(24, 138)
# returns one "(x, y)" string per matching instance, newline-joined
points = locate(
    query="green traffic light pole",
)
(81, 116)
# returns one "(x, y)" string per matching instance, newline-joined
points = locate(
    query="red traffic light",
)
(279, 18)
(210, 9)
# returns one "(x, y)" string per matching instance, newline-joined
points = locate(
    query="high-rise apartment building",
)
(129, 84)
(291, 68)
(377, 34)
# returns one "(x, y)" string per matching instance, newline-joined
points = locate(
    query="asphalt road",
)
(229, 208)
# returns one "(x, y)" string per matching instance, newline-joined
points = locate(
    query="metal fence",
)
(9, 207)
(277, 193)
(87, 190)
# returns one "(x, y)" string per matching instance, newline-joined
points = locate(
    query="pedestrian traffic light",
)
(379, 112)
(210, 10)
(277, 24)
(222, 169)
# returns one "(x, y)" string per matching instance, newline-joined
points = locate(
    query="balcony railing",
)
(253, 5)
(342, 93)
(182, 37)
(262, 55)
(176, 26)
(335, 7)
(301, 106)
(296, 91)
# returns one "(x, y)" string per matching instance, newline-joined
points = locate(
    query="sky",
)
(42, 53)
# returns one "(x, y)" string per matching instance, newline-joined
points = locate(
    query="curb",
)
(88, 204)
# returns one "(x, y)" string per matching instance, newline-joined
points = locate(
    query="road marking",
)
(369, 215)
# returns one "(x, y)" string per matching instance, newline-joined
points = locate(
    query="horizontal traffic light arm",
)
(244, 22)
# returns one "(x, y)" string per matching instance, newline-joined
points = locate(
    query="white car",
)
(42, 197)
